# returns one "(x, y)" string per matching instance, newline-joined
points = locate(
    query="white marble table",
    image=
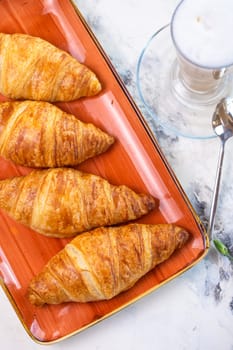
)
(194, 311)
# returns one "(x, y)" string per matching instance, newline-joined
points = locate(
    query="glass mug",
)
(200, 30)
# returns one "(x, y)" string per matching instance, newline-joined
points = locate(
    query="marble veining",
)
(193, 161)
(194, 311)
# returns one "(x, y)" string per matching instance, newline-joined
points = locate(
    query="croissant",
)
(102, 263)
(32, 68)
(39, 134)
(62, 202)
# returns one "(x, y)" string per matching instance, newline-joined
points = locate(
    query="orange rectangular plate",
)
(134, 160)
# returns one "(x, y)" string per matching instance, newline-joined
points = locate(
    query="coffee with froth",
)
(202, 30)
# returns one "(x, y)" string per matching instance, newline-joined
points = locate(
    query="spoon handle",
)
(216, 190)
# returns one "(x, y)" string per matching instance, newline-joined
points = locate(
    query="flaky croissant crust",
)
(32, 68)
(100, 264)
(62, 202)
(39, 134)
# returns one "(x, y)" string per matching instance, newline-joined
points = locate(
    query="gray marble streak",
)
(193, 161)
(195, 310)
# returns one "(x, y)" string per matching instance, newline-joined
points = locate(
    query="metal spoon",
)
(222, 123)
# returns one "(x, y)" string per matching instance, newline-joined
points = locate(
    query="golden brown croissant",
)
(62, 202)
(100, 264)
(32, 68)
(39, 134)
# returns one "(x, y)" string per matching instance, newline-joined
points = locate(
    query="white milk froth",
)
(203, 31)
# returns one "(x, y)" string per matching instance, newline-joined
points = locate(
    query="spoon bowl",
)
(222, 121)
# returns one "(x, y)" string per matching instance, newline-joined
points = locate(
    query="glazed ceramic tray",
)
(134, 160)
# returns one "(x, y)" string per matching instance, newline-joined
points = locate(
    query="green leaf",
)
(220, 246)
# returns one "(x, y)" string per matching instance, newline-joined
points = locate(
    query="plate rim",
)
(206, 243)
